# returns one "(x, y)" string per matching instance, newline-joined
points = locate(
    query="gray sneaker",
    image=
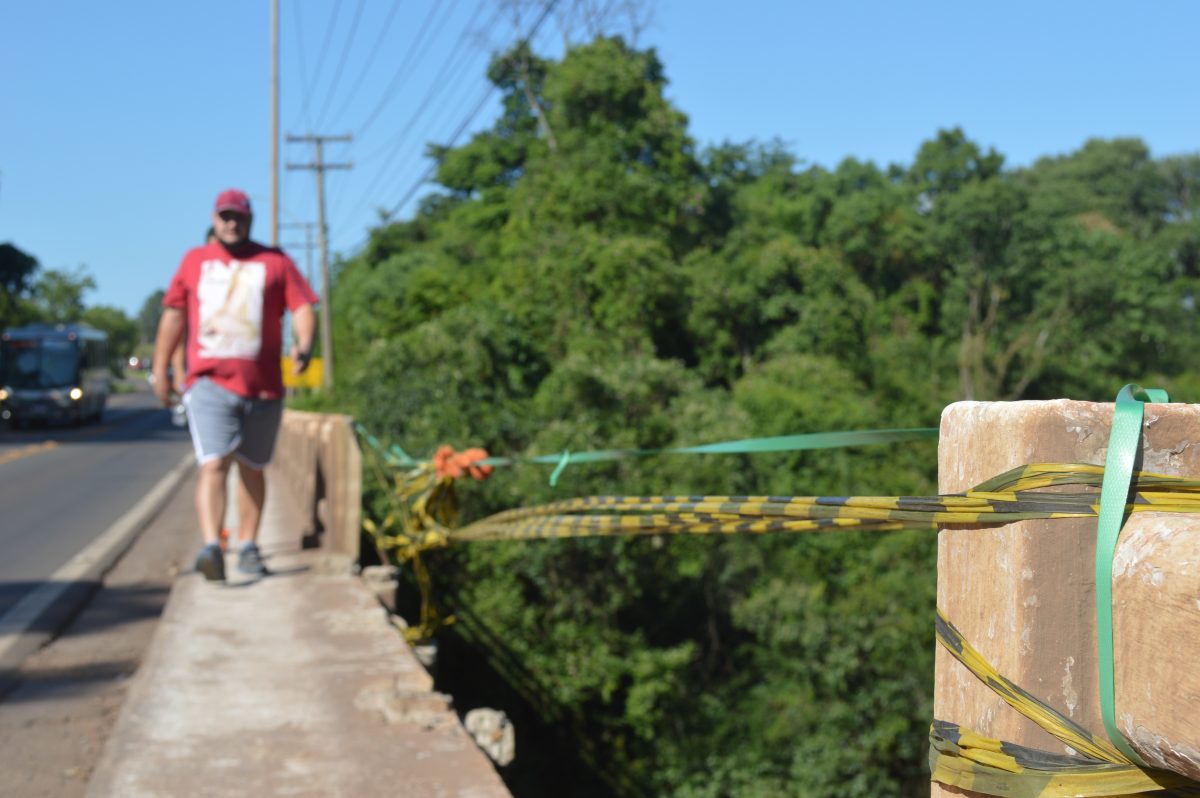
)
(250, 561)
(211, 562)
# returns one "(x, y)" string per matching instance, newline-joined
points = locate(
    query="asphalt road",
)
(61, 487)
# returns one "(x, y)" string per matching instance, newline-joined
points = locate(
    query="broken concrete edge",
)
(491, 729)
(38, 617)
(312, 441)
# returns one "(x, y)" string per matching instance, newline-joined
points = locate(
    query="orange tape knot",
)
(450, 464)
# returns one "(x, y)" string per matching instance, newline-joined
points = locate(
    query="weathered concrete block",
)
(318, 460)
(493, 732)
(1024, 594)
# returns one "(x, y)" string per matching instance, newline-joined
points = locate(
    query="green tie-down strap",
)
(1124, 444)
(781, 443)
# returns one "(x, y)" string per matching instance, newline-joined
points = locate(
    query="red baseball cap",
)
(233, 200)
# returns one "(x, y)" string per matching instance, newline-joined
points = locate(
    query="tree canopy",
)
(587, 278)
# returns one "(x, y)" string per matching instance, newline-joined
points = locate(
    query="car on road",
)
(53, 373)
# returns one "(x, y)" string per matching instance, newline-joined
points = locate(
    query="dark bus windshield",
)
(45, 363)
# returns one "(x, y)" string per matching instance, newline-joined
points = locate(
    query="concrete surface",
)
(295, 684)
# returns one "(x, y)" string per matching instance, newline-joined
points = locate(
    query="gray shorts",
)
(224, 423)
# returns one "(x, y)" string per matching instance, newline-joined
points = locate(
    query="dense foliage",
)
(586, 278)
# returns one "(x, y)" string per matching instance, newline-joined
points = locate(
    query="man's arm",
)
(304, 326)
(178, 365)
(170, 330)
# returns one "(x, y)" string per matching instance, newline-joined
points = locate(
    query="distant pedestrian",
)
(230, 296)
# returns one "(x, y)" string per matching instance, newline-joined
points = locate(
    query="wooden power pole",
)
(319, 166)
(307, 227)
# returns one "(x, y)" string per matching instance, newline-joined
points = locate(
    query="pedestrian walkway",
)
(294, 684)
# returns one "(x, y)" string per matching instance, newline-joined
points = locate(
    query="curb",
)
(39, 616)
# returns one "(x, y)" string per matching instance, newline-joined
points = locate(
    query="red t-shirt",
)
(234, 308)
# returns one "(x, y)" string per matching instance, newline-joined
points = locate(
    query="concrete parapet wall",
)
(1024, 593)
(318, 459)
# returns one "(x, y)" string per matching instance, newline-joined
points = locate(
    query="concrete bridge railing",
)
(318, 460)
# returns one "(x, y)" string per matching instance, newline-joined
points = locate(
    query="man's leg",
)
(211, 497)
(251, 495)
(259, 428)
(214, 424)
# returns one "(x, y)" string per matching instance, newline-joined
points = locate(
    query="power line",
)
(333, 15)
(453, 140)
(471, 117)
(441, 77)
(402, 72)
(434, 91)
(387, 24)
(432, 168)
(385, 174)
(337, 74)
(303, 69)
(549, 7)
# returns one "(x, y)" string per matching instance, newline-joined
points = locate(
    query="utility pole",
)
(308, 245)
(319, 166)
(274, 123)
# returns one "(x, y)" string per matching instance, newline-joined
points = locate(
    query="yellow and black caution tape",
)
(424, 511)
(1009, 497)
(1040, 713)
(965, 760)
(962, 758)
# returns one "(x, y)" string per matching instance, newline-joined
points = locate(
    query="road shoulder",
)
(56, 719)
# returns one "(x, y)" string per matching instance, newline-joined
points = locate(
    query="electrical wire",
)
(303, 69)
(402, 72)
(448, 75)
(337, 74)
(442, 77)
(329, 27)
(358, 82)
(384, 173)
(471, 117)
(429, 172)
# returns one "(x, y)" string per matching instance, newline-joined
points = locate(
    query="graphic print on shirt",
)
(230, 296)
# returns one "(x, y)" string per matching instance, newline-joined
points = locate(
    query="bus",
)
(53, 373)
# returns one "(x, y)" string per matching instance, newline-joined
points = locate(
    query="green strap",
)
(562, 466)
(783, 443)
(1124, 443)
(812, 440)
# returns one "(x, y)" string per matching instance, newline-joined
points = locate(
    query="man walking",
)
(234, 293)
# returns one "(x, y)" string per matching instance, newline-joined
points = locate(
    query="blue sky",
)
(120, 122)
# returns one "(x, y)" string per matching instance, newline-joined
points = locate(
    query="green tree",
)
(148, 316)
(16, 272)
(123, 333)
(58, 294)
